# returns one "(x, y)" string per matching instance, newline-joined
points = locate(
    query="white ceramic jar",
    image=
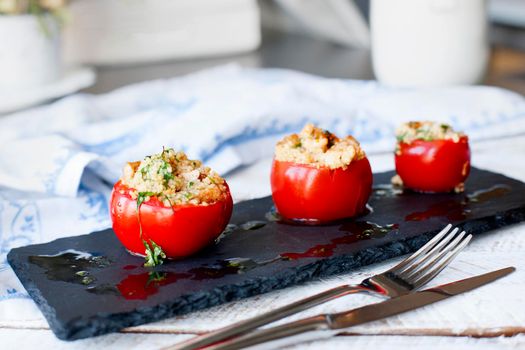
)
(29, 54)
(429, 42)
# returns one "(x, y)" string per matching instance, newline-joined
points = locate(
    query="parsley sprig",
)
(154, 253)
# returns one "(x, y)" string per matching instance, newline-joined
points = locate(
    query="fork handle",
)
(316, 327)
(268, 317)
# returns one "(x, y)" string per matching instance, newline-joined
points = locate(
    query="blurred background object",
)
(29, 39)
(137, 40)
(429, 42)
(338, 21)
(31, 69)
(510, 12)
(116, 31)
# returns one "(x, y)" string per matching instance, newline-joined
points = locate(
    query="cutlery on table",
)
(363, 314)
(410, 274)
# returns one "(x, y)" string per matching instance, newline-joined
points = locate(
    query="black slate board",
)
(118, 292)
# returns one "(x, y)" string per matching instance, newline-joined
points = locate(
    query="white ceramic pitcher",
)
(29, 53)
(429, 42)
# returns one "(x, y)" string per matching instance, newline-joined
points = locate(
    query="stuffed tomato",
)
(432, 157)
(169, 206)
(317, 177)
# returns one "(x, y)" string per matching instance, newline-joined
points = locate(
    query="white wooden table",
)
(488, 318)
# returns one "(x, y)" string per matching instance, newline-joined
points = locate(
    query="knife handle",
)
(274, 315)
(316, 327)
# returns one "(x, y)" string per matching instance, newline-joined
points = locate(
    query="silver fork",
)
(410, 274)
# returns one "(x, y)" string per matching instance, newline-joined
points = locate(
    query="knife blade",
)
(364, 314)
(411, 301)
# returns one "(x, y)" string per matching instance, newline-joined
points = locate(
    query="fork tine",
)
(430, 261)
(429, 245)
(445, 262)
(435, 250)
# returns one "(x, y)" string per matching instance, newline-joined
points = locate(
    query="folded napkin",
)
(58, 162)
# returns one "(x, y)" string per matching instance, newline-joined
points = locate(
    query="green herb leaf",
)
(141, 197)
(165, 171)
(154, 254)
(144, 171)
(190, 183)
(155, 277)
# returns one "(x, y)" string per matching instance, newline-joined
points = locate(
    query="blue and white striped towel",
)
(58, 162)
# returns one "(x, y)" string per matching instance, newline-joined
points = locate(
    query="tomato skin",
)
(304, 192)
(433, 166)
(180, 231)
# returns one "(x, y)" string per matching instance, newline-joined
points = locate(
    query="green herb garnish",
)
(155, 277)
(401, 138)
(165, 171)
(141, 197)
(168, 176)
(144, 171)
(154, 254)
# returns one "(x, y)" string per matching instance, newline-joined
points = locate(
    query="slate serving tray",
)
(89, 285)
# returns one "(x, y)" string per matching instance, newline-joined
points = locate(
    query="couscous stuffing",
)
(318, 147)
(173, 179)
(427, 131)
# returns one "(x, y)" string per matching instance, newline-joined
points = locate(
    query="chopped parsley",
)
(166, 172)
(155, 277)
(401, 138)
(426, 131)
(154, 254)
(141, 197)
(144, 171)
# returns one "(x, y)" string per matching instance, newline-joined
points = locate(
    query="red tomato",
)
(433, 166)
(180, 230)
(306, 193)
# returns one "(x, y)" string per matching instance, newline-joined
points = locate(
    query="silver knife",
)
(363, 314)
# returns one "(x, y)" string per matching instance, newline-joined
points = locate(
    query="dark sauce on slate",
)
(142, 285)
(459, 209)
(70, 266)
(74, 266)
(273, 216)
(358, 230)
(247, 226)
(139, 286)
(488, 194)
(387, 190)
(253, 225)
